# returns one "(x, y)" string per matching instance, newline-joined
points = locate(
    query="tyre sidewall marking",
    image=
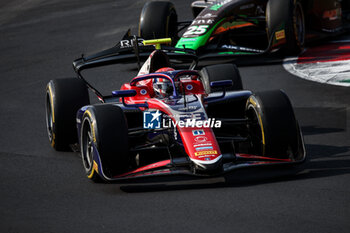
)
(90, 120)
(296, 32)
(93, 170)
(93, 124)
(256, 108)
(53, 136)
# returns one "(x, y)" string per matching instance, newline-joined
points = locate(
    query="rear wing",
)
(131, 49)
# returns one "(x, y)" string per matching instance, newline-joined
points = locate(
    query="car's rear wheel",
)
(288, 14)
(158, 20)
(64, 97)
(272, 128)
(295, 31)
(104, 130)
(221, 72)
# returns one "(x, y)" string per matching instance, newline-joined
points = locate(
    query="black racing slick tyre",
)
(64, 97)
(158, 20)
(272, 127)
(291, 14)
(221, 72)
(295, 30)
(104, 128)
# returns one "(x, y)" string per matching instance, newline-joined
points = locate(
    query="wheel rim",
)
(49, 120)
(87, 148)
(299, 27)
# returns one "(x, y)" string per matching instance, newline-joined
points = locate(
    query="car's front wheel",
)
(272, 128)
(104, 137)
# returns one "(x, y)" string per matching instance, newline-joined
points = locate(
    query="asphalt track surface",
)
(46, 191)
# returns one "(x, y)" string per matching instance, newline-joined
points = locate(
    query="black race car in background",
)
(224, 28)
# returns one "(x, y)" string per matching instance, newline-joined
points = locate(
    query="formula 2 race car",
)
(166, 122)
(226, 28)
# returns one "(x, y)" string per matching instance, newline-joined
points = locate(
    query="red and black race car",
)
(167, 121)
(229, 28)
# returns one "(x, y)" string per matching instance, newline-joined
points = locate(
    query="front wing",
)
(169, 167)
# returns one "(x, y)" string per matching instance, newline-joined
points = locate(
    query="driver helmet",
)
(162, 86)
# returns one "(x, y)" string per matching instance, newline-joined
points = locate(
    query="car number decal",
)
(196, 30)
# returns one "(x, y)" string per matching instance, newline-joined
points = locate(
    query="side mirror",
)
(128, 93)
(124, 93)
(217, 84)
(222, 83)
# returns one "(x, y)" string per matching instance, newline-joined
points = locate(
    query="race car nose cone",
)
(208, 166)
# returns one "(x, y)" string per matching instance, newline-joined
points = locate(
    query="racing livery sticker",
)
(198, 132)
(204, 148)
(130, 43)
(203, 144)
(328, 64)
(196, 30)
(219, 4)
(201, 139)
(206, 16)
(215, 7)
(143, 92)
(240, 48)
(189, 87)
(207, 152)
(280, 35)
